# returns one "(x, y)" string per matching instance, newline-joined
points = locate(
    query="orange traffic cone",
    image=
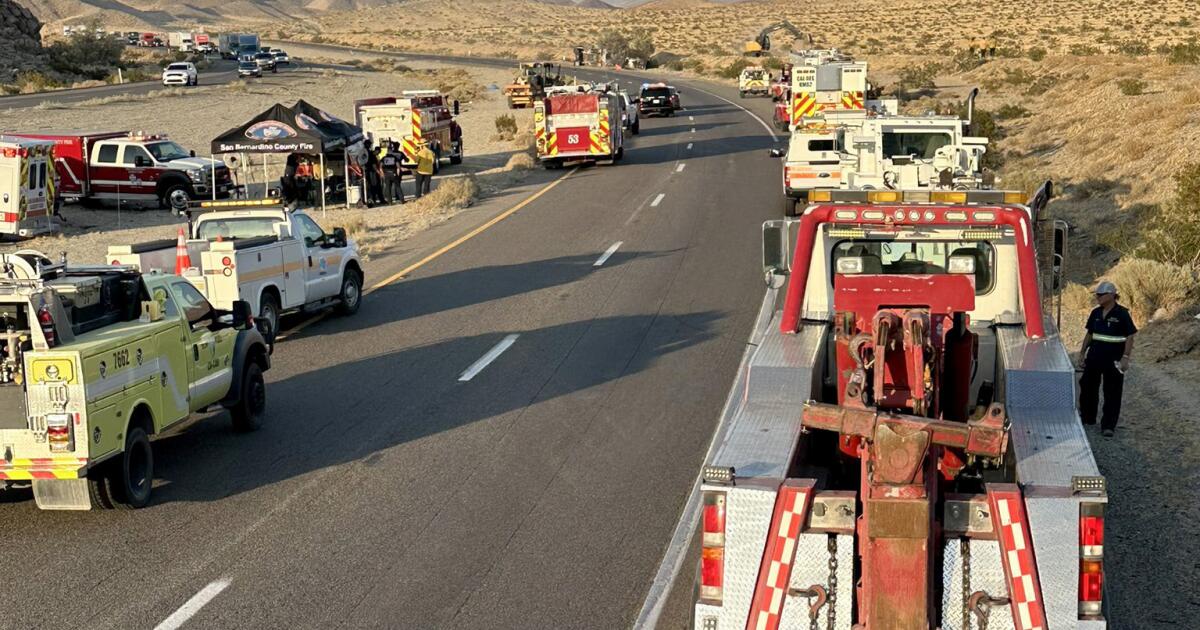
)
(182, 260)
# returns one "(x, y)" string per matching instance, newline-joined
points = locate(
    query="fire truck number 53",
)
(573, 138)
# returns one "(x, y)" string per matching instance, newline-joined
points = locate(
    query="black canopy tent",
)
(302, 128)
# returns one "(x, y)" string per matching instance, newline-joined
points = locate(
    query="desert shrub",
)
(1011, 112)
(519, 162)
(1083, 50)
(1131, 87)
(964, 60)
(1042, 84)
(1188, 53)
(772, 63)
(734, 69)
(637, 43)
(506, 124)
(919, 77)
(1092, 187)
(1149, 285)
(1133, 48)
(85, 54)
(675, 64)
(32, 81)
(1036, 53)
(455, 192)
(1171, 232)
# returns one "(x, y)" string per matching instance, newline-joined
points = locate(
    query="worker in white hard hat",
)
(1107, 350)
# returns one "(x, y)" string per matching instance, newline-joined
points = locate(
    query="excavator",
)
(762, 43)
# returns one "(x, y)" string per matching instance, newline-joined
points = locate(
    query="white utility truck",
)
(278, 260)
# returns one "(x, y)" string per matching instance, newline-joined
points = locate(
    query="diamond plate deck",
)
(987, 574)
(1039, 392)
(748, 512)
(765, 424)
(812, 567)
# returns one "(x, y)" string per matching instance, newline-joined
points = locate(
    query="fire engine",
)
(27, 186)
(578, 124)
(901, 449)
(409, 119)
(124, 167)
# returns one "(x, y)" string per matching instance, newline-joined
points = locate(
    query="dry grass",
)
(1153, 290)
(520, 161)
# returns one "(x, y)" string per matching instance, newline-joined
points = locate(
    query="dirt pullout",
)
(192, 117)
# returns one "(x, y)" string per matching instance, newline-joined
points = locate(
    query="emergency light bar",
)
(236, 203)
(918, 196)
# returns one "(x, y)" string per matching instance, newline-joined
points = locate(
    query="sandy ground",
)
(192, 117)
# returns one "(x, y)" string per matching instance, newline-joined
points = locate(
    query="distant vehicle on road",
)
(266, 61)
(281, 57)
(658, 99)
(182, 73)
(629, 113)
(249, 68)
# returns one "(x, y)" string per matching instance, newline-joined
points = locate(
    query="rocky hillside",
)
(20, 40)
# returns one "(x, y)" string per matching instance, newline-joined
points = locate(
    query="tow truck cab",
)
(902, 449)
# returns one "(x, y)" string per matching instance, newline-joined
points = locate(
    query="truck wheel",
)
(457, 157)
(175, 196)
(268, 313)
(791, 207)
(351, 296)
(98, 492)
(247, 414)
(132, 475)
(637, 126)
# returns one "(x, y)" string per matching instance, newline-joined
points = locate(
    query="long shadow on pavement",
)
(344, 413)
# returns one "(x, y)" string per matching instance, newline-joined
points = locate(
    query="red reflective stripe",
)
(791, 509)
(1016, 551)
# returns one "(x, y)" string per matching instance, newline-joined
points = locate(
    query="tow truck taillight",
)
(47, 323)
(1091, 560)
(712, 546)
(59, 434)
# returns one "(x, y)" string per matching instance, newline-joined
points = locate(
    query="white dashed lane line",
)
(657, 200)
(193, 605)
(689, 146)
(607, 253)
(679, 169)
(487, 359)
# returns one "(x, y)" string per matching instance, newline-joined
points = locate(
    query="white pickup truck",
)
(278, 260)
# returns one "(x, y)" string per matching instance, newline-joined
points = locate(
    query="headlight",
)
(198, 174)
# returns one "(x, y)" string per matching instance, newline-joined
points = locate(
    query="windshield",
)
(177, 66)
(654, 92)
(166, 151)
(234, 228)
(896, 257)
(920, 145)
(263, 56)
(247, 64)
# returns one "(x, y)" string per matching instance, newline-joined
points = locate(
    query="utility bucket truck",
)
(901, 448)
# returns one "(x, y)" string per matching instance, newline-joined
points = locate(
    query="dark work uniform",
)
(1102, 365)
(392, 178)
(374, 186)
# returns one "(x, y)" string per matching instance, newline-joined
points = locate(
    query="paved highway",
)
(502, 438)
(226, 72)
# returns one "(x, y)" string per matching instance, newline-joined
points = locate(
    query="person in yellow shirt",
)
(425, 159)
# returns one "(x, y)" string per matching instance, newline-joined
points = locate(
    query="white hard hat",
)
(1106, 287)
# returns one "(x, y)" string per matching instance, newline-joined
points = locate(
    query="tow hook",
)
(982, 604)
(817, 591)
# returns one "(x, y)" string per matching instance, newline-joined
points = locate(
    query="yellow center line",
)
(445, 248)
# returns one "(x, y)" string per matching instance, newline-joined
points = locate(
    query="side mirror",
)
(775, 252)
(456, 108)
(338, 237)
(777, 153)
(192, 153)
(241, 315)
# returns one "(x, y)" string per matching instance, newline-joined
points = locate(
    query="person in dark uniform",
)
(374, 174)
(393, 178)
(1107, 349)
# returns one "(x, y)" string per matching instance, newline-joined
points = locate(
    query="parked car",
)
(281, 58)
(629, 113)
(249, 68)
(181, 73)
(266, 61)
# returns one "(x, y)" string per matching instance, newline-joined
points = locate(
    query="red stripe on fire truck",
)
(791, 509)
